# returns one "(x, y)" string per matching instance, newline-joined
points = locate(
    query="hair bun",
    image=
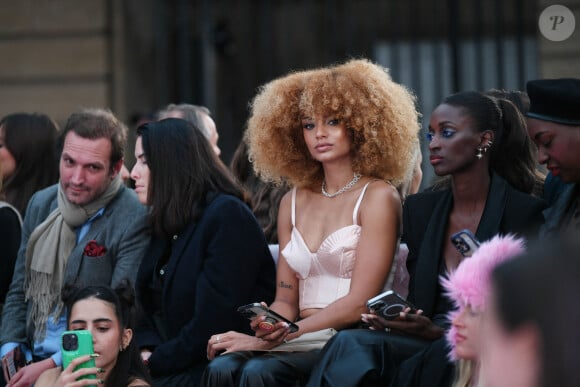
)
(126, 292)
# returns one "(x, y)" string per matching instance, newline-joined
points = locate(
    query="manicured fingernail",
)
(94, 355)
(100, 370)
(100, 381)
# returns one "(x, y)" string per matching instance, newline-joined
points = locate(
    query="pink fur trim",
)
(470, 283)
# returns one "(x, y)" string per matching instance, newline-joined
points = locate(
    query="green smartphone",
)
(75, 344)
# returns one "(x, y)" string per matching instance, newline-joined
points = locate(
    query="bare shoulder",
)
(286, 200)
(381, 193)
(381, 204)
(303, 195)
(48, 377)
(285, 209)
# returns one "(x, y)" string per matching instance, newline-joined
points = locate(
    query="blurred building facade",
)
(135, 56)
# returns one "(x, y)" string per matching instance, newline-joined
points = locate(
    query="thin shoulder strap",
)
(5, 204)
(357, 205)
(294, 207)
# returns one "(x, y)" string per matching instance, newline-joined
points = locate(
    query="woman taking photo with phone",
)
(207, 256)
(109, 315)
(343, 137)
(482, 144)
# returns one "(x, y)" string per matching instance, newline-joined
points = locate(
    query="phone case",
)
(256, 309)
(465, 242)
(12, 362)
(389, 304)
(75, 344)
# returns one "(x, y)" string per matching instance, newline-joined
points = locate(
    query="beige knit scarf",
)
(47, 252)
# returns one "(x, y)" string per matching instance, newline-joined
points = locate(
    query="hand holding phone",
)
(389, 305)
(75, 344)
(12, 362)
(256, 309)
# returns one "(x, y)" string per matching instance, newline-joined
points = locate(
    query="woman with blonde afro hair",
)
(343, 137)
(379, 114)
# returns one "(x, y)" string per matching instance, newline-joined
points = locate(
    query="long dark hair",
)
(541, 288)
(129, 365)
(265, 196)
(512, 154)
(183, 171)
(31, 138)
(519, 98)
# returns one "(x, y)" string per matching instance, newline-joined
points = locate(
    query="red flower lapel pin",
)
(92, 249)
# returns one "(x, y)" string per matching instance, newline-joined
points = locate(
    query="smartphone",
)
(256, 309)
(465, 242)
(389, 304)
(12, 362)
(75, 344)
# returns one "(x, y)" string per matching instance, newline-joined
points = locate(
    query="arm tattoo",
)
(285, 285)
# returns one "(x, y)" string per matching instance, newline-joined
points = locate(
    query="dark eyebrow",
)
(441, 124)
(95, 164)
(141, 155)
(101, 320)
(444, 123)
(538, 135)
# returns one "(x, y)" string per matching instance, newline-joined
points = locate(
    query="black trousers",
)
(429, 367)
(363, 357)
(188, 378)
(258, 368)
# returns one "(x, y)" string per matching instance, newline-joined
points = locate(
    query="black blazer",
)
(425, 218)
(10, 227)
(216, 264)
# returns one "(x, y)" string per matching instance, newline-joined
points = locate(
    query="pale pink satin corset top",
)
(323, 275)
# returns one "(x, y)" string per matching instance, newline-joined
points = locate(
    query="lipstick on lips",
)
(435, 159)
(459, 338)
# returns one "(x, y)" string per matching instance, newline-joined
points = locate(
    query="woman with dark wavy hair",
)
(28, 150)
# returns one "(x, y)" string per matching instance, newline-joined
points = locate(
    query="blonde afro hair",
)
(380, 114)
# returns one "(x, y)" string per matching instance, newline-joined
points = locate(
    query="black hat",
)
(556, 100)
